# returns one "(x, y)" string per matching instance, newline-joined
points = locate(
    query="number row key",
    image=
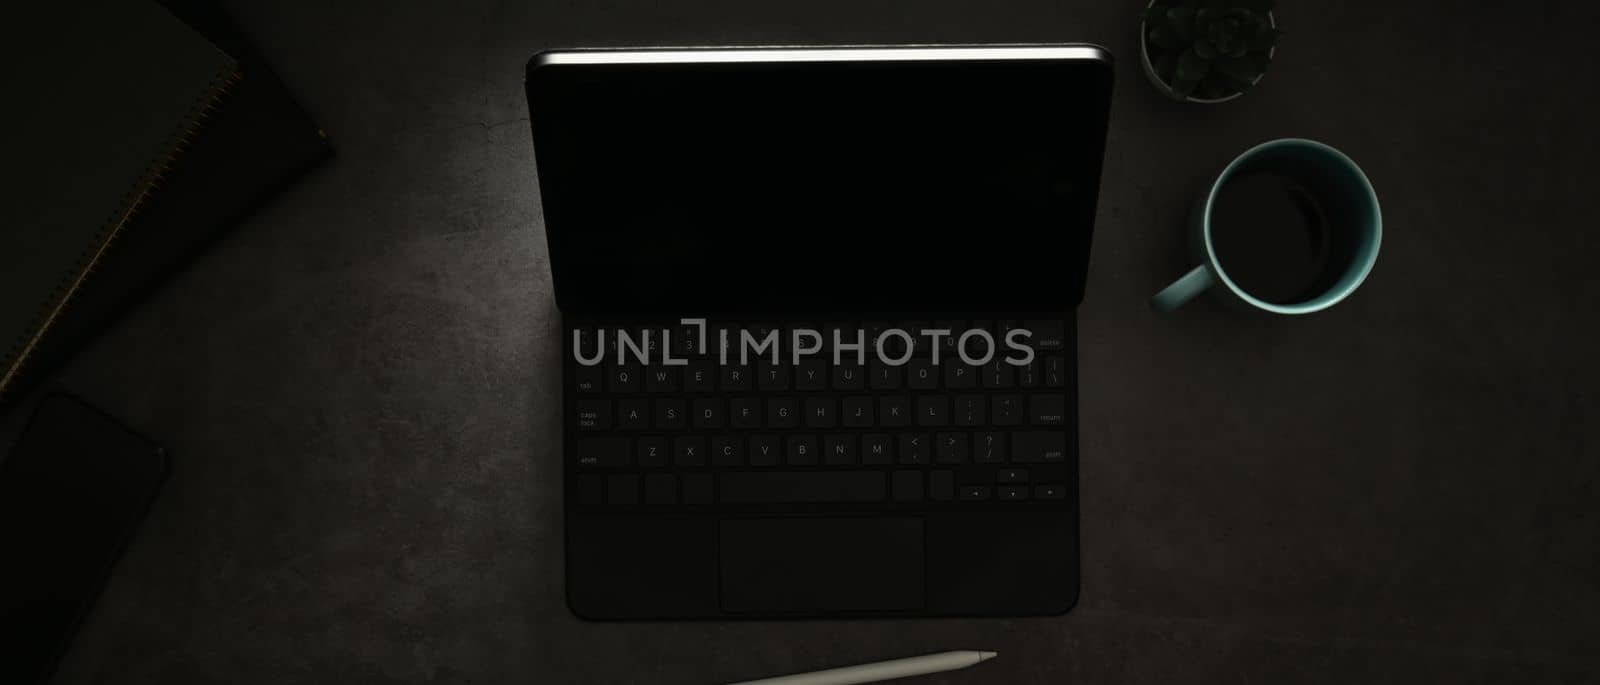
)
(893, 411)
(827, 449)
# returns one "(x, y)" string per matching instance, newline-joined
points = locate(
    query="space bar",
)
(773, 487)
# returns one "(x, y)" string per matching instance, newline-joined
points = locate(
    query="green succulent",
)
(1210, 48)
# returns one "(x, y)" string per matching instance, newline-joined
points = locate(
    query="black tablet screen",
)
(775, 187)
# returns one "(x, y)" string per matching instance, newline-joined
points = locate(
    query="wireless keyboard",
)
(782, 436)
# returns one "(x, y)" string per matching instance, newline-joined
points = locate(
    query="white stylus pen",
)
(882, 670)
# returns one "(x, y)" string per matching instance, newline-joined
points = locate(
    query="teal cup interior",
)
(1342, 189)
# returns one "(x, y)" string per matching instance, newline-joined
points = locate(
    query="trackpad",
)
(822, 564)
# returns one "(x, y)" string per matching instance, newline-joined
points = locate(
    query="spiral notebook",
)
(143, 143)
(103, 96)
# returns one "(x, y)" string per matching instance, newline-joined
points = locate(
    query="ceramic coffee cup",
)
(1343, 221)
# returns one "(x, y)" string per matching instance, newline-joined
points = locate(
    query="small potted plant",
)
(1207, 51)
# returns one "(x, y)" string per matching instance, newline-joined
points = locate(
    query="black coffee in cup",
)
(1274, 238)
(1290, 226)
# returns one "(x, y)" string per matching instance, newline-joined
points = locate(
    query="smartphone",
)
(72, 492)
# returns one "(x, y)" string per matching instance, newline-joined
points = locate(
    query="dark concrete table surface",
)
(359, 385)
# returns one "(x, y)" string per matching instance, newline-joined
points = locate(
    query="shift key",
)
(1036, 446)
(603, 452)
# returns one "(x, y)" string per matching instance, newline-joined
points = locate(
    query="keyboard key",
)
(724, 343)
(828, 329)
(591, 489)
(914, 449)
(759, 333)
(671, 414)
(918, 343)
(594, 414)
(811, 375)
(773, 376)
(735, 378)
(1036, 446)
(881, 376)
(894, 411)
(727, 451)
(1055, 372)
(999, 375)
(708, 413)
(848, 377)
(933, 411)
(583, 340)
(977, 345)
(633, 414)
(973, 493)
(802, 450)
(839, 450)
(765, 450)
(783, 412)
(858, 412)
(661, 379)
(686, 341)
(605, 453)
(892, 346)
(959, 376)
(649, 339)
(652, 452)
(1049, 492)
(877, 449)
(660, 488)
(950, 448)
(989, 448)
(806, 340)
(906, 486)
(821, 412)
(852, 344)
(921, 374)
(1011, 476)
(947, 342)
(1047, 410)
(1011, 493)
(623, 378)
(699, 376)
(745, 412)
(622, 489)
(776, 487)
(688, 451)
(697, 488)
(588, 379)
(970, 410)
(1006, 410)
(941, 486)
(874, 329)
(1028, 374)
(1047, 335)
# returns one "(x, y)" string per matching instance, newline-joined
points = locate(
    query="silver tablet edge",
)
(763, 54)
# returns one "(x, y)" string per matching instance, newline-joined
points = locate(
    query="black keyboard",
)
(766, 436)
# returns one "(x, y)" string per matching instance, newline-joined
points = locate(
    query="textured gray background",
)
(360, 384)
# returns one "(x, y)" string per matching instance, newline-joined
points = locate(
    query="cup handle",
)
(1183, 289)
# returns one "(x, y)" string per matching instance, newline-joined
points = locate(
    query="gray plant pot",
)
(1155, 79)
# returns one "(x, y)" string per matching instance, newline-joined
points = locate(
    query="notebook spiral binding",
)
(205, 105)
